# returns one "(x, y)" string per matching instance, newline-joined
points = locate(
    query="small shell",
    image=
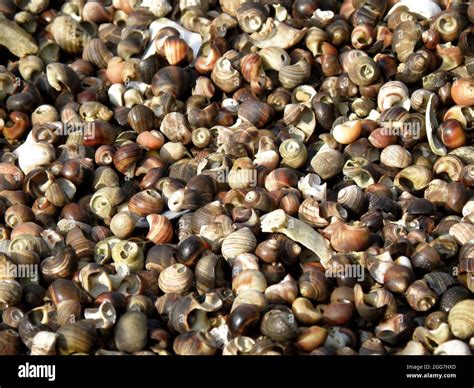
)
(281, 178)
(293, 153)
(209, 273)
(32, 155)
(413, 178)
(309, 211)
(176, 278)
(396, 156)
(161, 229)
(251, 16)
(249, 280)
(131, 332)
(274, 58)
(225, 76)
(393, 93)
(423, 9)
(77, 337)
(347, 132)
(44, 344)
(291, 76)
(453, 348)
(129, 254)
(236, 243)
(462, 232)
(462, 91)
(363, 71)
(279, 325)
(352, 198)
(176, 50)
(10, 293)
(313, 285)
(146, 202)
(96, 52)
(284, 292)
(420, 296)
(176, 128)
(328, 162)
(405, 38)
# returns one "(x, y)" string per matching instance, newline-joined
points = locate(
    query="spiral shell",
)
(96, 52)
(293, 153)
(327, 163)
(225, 76)
(396, 156)
(161, 229)
(69, 34)
(236, 243)
(126, 158)
(313, 285)
(251, 16)
(129, 254)
(10, 293)
(352, 198)
(291, 76)
(405, 38)
(176, 278)
(461, 320)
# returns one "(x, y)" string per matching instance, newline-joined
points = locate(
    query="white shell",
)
(115, 93)
(311, 187)
(423, 9)
(159, 8)
(31, 155)
(453, 348)
(104, 315)
(44, 344)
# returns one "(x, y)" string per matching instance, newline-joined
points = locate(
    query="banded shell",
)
(176, 278)
(236, 243)
(69, 34)
(461, 319)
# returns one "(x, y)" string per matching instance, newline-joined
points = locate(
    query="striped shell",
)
(461, 319)
(176, 278)
(241, 241)
(69, 34)
(291, 76)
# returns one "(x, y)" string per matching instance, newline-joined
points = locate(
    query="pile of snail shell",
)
(300, 181)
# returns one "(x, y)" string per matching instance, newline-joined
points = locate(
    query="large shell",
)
(461, 319)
